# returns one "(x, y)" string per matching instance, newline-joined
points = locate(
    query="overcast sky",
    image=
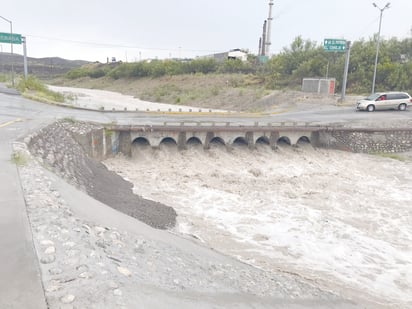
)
(140, 29)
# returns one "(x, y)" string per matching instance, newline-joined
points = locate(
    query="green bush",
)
(30, 83)
(3, 78)
(36, 89)
(302, 59)
(19, 158)
(77, 73)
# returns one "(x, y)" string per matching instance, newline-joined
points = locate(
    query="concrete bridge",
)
(184, 135)
(113, 139)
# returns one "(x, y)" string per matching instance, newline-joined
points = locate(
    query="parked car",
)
(385, 100)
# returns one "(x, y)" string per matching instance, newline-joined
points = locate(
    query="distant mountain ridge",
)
(40, 67)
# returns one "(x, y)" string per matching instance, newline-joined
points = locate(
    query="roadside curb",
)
(191, 112)
(10, 91)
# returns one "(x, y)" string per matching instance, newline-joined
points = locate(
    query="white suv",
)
(385, 100)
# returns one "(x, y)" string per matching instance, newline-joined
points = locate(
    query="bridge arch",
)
(303, 140)
(194, 141)
(139, 146)
(263, 140)
(283, 141)
(217, 141)
(168, 142)
(240, 142)
(141, 141)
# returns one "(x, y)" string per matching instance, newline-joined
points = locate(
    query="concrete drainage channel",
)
(65, 146)
(74, 150)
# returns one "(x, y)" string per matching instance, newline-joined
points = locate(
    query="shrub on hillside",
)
(77, 73)
(302, 59)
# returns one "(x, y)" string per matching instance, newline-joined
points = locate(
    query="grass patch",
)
(4, 78)
(19, 158)
(35, 89)
(393, 156)
(69, 119)
(108, 132)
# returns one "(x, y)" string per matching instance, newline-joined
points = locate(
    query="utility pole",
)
(269, 31)
(378, 42)
(24, 56)
(345, 72)
(263, 42)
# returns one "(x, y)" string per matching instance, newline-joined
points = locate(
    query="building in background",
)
(231, 54)
(324, 86)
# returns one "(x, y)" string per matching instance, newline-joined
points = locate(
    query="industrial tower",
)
(265, 40)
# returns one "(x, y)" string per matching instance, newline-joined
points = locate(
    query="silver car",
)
(385, 100)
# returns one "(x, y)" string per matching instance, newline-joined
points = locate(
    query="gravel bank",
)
(56, 147)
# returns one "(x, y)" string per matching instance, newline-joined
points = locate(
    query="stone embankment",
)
(57, 147)
(380, 140)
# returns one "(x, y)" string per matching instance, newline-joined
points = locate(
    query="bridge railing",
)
(243, 124)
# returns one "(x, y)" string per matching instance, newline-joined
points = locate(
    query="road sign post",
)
(15, 38)
(340, 46)
(334, 45)
(345, 72)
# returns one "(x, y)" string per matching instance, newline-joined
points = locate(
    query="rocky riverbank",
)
(56, 147)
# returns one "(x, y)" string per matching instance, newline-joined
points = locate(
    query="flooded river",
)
(341, 219)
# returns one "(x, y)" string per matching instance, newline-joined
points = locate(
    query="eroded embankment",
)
(56, 146)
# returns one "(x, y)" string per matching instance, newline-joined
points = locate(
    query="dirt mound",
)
(56, 147)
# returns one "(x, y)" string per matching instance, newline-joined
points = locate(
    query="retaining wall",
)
(366, 140)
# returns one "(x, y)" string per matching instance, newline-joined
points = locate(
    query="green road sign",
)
(263, 59)
(334, 45)
(5, 38)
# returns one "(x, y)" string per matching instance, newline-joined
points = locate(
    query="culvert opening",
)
(240, 142)
(194, 143)
(283, 142)
(217, 142)
(304, 140)
(140, 146)
(261, 141)
(140, 142)
(168, 143)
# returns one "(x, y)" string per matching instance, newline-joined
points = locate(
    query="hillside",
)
(49, 67)
(230, 91)
(238, 92)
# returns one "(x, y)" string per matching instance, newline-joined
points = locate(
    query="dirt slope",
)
(223, 91)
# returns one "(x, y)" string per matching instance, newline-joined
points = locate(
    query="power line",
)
(111, 45)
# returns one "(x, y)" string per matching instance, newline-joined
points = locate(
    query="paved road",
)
(20, 284)
(14, 106)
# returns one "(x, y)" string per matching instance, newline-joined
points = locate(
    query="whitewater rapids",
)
(339, 218)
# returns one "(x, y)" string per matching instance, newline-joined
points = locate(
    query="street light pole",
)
(378, 42)
(11, 48)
